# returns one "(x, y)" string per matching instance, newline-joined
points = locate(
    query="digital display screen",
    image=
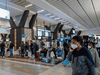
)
(39, 37)
(46, 34)
(5, 14)
(39, 33)
(73, 31)
(7, 39)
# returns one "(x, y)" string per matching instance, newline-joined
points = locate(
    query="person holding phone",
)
(81, 58)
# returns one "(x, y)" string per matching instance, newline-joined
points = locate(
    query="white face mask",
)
(74, 46)
(89, 47)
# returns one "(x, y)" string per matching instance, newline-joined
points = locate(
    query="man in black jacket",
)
(35, 48)
(31, 48)
(65, 49)
(2, 49)
(58, 44)
(11, 49)
(22, 49)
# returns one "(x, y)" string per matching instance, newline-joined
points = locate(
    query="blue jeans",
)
(35, 53)
(11, 52)
(2, 52)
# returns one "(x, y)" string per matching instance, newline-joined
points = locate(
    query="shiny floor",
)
(9, 67)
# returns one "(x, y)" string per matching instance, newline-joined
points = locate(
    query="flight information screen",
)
(5, 14)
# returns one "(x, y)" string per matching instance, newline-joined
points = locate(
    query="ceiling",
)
(80, 14)
(35, 8)
(86, 12)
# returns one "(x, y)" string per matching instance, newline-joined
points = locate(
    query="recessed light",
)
(48, 14)
(28, 5)
(52, 16)
(56, 18)
(40, 11)
(62, 20)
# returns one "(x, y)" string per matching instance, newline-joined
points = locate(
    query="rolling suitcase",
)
(66, 62)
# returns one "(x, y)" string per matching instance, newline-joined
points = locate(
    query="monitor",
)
(39, 37)
(5, 14)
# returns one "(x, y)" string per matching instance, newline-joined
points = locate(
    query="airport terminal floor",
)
(10, 67)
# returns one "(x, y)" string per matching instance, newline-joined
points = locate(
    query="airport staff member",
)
(81, 58)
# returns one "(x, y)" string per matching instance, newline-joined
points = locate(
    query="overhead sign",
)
(23, 35)
(5, 14)
(91, 35)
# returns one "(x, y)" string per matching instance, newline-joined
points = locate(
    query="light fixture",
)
(62, 20)
(40, 11)
(52, 16)
(28, 5)
(48, 14)
(56, 18)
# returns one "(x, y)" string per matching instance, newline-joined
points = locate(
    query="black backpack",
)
(37, 47)
(26, 46)
(11, 45)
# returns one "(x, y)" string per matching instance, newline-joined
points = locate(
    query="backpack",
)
(43, 43)
(37, 47)
(26, 46)
(11, 45)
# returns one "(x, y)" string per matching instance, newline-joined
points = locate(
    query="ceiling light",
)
(52, 16)
(62, 20)
(32, 12)
(48, 14)
(40, 11)
(56, 18)
(28, 5)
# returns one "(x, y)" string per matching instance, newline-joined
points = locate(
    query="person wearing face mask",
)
(94, 54)
(81, 58)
